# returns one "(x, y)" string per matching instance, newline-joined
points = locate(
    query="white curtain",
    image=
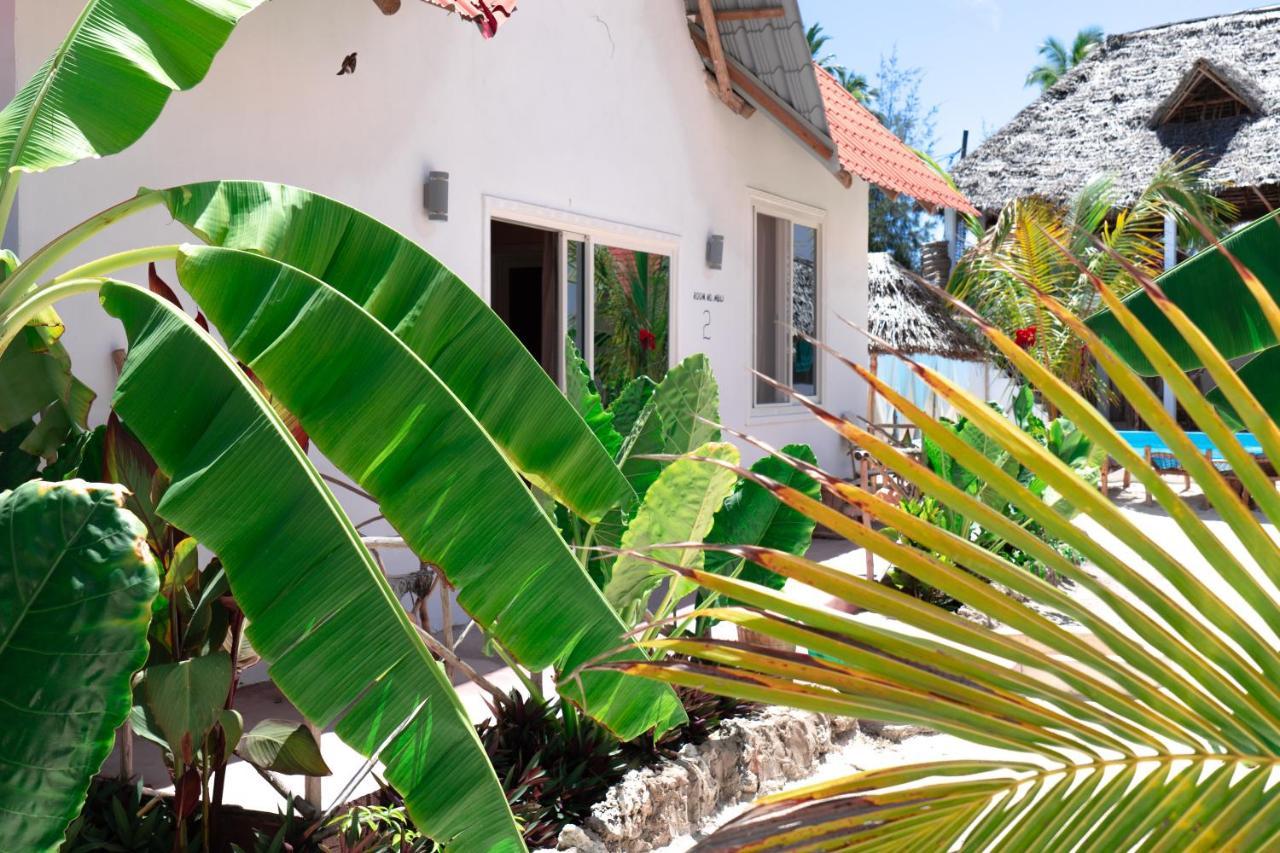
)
(976, 377)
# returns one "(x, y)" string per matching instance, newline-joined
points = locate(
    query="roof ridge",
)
(1257, 10)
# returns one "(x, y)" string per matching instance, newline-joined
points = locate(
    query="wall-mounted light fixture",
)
(435, 196)
(715, 251)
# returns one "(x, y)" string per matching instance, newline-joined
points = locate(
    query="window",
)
(787, 296)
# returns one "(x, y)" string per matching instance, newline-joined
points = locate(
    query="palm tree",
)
(817, 40)
(1153, 723)
(1058, 60)
(1000, 276)
(855, 84)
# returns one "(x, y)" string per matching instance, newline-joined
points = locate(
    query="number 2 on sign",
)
(706, 326)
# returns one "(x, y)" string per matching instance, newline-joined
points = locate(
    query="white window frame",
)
(590, 230)
(796, 213)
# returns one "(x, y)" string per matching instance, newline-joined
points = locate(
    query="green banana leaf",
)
(429, 308)
(1261, 375)
(680, 506)
(384, 417)
(320, 612)
(76, 585)
(109, 79)
(753, 516)
(1207, 287)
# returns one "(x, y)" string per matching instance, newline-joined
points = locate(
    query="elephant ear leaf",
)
(754, 516)
(76, 585)
(432, 311)
(339, 645)
(119, 52)
(582, 393)
(679, 507)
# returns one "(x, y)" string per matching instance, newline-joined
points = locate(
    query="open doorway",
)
(525, 289)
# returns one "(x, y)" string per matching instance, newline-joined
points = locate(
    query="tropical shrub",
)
(632, 321)
(1153, 723)
(1060, 437)
(1022, 253)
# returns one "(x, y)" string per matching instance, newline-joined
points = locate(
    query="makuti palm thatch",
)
(906, 313)
(1117, 114)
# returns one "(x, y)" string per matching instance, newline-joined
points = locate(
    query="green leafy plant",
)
(1150, 724)
(631, 317)
(1020, 256)
(1063, 439)
(76, 585)
(400, 332)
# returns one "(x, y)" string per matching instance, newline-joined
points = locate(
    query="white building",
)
(580, 125)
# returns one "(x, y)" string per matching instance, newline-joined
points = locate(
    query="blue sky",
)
(976, 53)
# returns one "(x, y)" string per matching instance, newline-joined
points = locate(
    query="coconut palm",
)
(855, 84)
(817, 41)
(1153, 721)
(1058, 60)
(1000, 276)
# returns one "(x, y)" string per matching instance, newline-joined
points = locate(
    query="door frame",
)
(591, 230)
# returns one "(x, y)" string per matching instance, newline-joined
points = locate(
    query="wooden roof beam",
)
(750, 14)
(767, 101)
(724, 86)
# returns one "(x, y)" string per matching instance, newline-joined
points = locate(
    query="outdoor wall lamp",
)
(715, 251)
(435, 196)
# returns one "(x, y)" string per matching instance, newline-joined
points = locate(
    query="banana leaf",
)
(1209, 289)
(1261, 375)
(384, 417)
(320, 612)
(432, 311)
(109, 79)
(76, 585)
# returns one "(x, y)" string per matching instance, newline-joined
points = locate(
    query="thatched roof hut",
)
(1210, 86)
(904, 312)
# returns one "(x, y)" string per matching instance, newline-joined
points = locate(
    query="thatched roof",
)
(1110, 115)
(904, 312)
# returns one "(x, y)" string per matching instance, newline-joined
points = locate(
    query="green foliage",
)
(283, 746)
(631, 337)
(380, 829)
(581, 391)
(1020, 255)
(896, 224)
(1060, 437)
(680, 506)
(76, 585)
(1058, 59)
(113, 820)
(753, 516)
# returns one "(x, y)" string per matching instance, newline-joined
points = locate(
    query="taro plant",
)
(397, 372)
(1152, 723)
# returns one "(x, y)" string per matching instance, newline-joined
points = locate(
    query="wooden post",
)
(866, 515)
(125, 737)
(724, 85)
(1146, 455)
(311, 791)
(1105, 472)
(866, 463)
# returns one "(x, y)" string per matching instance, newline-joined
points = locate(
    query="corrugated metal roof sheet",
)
(774, 50)
(869, 150)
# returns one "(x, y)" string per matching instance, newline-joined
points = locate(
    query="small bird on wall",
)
(348, 64)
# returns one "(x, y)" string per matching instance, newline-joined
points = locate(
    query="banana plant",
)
(1154, 723)
(76, 585)
(394, 368)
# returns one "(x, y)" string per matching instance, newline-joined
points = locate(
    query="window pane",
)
(631, 314)
(772, 310)
(804, 308)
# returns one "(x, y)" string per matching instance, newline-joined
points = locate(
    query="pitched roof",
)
(1106, 116)
(773, 50)
(868, 149)
(906, 313)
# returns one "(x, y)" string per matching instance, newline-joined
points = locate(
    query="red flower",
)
(1025, 338)
(647, 340)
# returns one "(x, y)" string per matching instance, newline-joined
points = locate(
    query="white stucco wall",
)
(594, 109)
(8, 78)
